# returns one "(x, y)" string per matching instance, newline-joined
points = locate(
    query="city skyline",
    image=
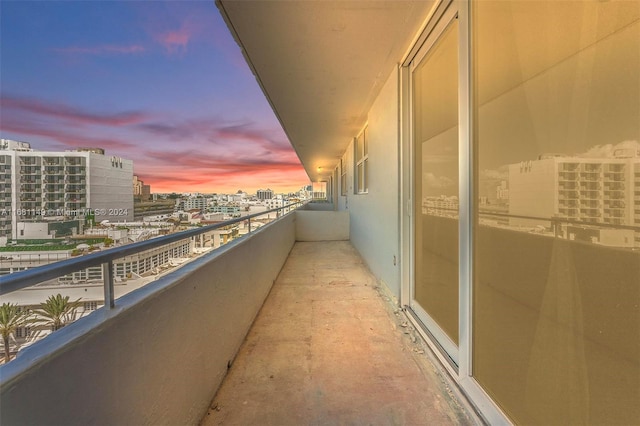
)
(169, 90)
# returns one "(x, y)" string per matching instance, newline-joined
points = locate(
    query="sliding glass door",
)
(524, 187)
(556, 323)
(434, 83)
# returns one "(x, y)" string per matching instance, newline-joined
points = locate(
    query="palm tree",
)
(57, 311)
(11, 317)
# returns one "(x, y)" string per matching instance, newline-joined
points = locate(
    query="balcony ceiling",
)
(321, 64)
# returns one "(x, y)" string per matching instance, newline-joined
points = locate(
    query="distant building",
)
(590, 190)
(39, 186)
(232, 210)
(502, 191)
(141, 191)
(441, 206)
(275, 202)
(196, 203)
(264, 194)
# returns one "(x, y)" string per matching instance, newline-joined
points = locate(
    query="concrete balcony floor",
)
(328, 348)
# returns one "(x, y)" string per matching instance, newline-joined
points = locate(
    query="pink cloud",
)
(204, 154)
(236, 140)
(65, 140)
(178, 180)
(68, 113)
(100, 50)
(220, 164)
(176, 41)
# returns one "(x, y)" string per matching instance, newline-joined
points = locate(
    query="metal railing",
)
(23, 279)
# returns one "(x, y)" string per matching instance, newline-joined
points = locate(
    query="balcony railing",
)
(106, 258)
(217, 295)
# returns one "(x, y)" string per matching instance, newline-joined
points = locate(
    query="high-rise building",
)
(39, 186)
(590, 190)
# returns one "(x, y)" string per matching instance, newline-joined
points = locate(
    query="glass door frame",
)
(461, 369)
(445, 345)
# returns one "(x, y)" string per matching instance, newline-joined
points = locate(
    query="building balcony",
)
(614, 186)
(30, 199)
(52, 205)
(51, 180)
(590, 170)
(569, 195)
(568, 175)
(326, 346)
(56, 191)
(29, 171)
(30, 189)
(75, 180)
(75, 190)
(568, 186)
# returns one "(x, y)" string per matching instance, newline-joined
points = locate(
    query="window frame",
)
(361, 162)
(343, 178)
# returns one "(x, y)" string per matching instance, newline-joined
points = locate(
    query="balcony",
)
(568, 175)
(326, 345)
(75, 180)
(54, 171)
(332, 364)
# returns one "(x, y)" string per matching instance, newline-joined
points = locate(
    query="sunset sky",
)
(161, 83)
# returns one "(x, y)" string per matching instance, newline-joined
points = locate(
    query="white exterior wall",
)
(374, 216)
(322, 225)
(33, 230)
(532, 189)
(110, 188)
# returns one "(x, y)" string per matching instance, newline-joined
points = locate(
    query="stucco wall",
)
(160, 355)
(322, 225)
(375, 220)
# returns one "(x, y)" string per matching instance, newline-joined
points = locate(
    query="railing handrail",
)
(545, 219)
(22, 279)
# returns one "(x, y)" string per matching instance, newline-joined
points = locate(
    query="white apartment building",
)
(227, 209)
(441, 206)
(39, 186)
(275, 202)
(592, 190)
(199, 203)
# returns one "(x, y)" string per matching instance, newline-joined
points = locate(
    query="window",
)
(90, 306)
(343, 177)
(23, 332)
(362, 162)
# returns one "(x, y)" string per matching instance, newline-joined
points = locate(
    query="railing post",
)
(249, 225)
(107, 273)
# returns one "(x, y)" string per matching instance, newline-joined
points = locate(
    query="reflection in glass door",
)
(556, 293)
(435, 140)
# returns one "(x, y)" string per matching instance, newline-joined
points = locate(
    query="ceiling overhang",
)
(321, 64)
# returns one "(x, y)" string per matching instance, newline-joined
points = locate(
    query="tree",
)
(57, 311)
(11, 317)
